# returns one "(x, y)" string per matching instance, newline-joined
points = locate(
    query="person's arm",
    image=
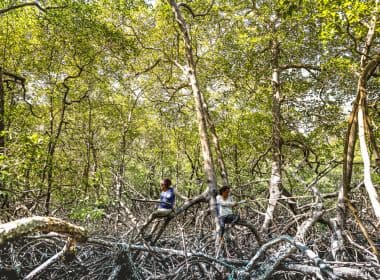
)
(177, 193)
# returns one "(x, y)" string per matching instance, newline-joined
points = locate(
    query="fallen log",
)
(18, 228)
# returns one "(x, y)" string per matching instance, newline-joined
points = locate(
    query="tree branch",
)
(24, 226)
(188, 8)
(15, 7)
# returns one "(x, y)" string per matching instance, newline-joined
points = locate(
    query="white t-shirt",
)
(224, 206)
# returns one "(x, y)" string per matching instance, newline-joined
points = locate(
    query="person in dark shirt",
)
(167, 197)
(165, 206)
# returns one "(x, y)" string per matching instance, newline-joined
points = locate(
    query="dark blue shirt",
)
(167, 199)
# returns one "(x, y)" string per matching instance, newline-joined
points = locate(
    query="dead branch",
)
(342, 272)
(324, 268)
(67, 250)
(22, 227)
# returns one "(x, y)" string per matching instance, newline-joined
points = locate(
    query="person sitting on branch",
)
(225, 203)
(165, 206)
(167, 199)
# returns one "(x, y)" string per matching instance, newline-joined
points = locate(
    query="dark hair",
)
(167, 182)
(222, 189)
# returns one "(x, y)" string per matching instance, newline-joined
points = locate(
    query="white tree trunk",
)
(372, 193)
(276, 174)
(190, 71)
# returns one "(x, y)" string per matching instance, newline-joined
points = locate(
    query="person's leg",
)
(162, 212)
(159, 213)
(235, 219)
(228, 219)
(151, 217)
(222, 224)
(231, 219)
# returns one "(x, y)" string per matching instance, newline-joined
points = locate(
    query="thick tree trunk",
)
(357, 122)
(16, 229)
(276, 175)
(337, 245)
(348, 159)
(190, 72)
(367, 66)
(372, 193)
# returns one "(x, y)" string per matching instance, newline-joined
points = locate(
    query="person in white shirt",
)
(225, 203)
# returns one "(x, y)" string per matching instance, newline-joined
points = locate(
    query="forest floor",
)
(298, 246)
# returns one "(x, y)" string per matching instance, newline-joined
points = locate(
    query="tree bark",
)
(190, 71)
(367, 67)
(276, 174)
(348, 159)
(357, 121)
(24, 226)
(372, 193)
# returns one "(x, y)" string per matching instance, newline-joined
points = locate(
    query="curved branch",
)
(24, 226)
(15, 7)
(188, 8)
(30, 4)
(370, 67)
